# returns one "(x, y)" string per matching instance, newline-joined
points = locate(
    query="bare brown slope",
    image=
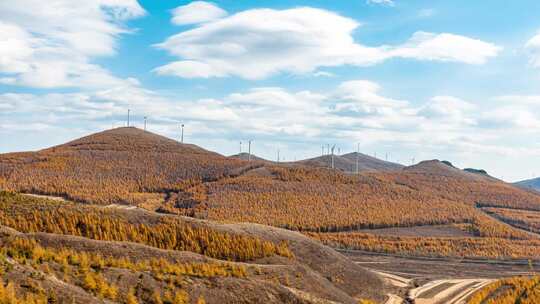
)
(333, 266)
(287, 272)
(315, 269)
(69, 281)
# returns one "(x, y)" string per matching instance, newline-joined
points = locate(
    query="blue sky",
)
(455, 80)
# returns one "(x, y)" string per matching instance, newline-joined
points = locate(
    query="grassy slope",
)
(314, 269)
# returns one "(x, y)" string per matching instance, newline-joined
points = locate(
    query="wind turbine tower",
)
(333, 147)
(182, 133)
(249, 150)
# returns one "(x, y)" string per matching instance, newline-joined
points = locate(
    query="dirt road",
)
(451, 291)
(443, 291)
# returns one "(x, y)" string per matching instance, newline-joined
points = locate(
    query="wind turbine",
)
(249, 150)
(333, 147)
(182, 133)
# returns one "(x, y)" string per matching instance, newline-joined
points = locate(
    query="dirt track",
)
(437, 280)
(451, 291)
(445, 291)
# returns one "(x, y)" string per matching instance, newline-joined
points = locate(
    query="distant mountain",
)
(245, 156)
(366, 162)
(529, 184)
(446, 168)
(347, 163)
(476, 171)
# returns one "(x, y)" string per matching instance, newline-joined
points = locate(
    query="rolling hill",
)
(533, 184)
(347, 163)
(134, 255)
(130, 193)
(123, 165)
(88, 253)
(246, 156)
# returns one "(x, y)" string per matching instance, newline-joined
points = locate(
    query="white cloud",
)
(449, 109)
(190, 69)
(50, 43)
(258, 43)
(298, 121)
(533, 46)
(520, 99)
(323, 74)
(446, 47)
(512, 117)
(197, 12)
(514, 111)
(383, 2)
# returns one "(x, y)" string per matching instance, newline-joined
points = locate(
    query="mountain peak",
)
(533, 184)
(446, 168)
(347, 162)
(127, 139)
(246, 156)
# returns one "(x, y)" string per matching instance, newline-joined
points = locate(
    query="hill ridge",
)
(347, 163)
(127, 139)
(533, 183)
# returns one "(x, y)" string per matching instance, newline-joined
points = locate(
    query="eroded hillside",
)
(61, 250)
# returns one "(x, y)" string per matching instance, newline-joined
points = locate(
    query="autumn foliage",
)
(36, 215)
(469, 247)
(523, 290)
(132, 167)
(87, 270)
(113, 167)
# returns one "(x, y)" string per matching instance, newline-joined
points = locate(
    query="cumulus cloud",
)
(351, 112)
(50, 44)
(445, 47)
(261, 112)
(449, 109)
(514, 112)
(366, 93)
(197, 12)
(258, 43)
